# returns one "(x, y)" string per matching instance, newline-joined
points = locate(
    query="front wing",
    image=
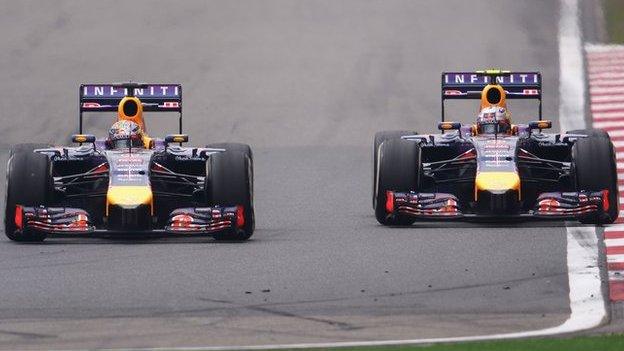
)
(68, 221)
(552, 205)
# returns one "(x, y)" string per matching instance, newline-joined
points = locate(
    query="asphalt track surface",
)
(307, 84)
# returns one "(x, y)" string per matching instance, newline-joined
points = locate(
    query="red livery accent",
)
(19, 217)
(240, 216)
(389, 202)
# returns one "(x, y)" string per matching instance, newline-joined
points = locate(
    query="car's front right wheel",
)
(399, 171)
(29, 183)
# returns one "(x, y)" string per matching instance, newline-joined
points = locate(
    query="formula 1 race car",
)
(129, 183)
(494, 170)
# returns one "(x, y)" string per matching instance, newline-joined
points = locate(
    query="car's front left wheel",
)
(229, 182)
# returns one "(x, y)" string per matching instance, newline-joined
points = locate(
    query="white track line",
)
(614, 242)
(587, 307)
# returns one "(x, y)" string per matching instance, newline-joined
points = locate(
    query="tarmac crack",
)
(340, 325)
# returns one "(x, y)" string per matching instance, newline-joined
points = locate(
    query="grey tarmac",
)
(307, 84)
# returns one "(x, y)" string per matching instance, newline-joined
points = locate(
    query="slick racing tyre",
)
(595, 169)
(29, 183)
(229, 182)
(380, 137)
(244, 148)
(399, 170)
(591, 133)
(27, 147)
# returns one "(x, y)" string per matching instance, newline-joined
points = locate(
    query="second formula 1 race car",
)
(493, 169)
(128, 182)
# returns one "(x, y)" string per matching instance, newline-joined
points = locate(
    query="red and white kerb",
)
(605, 70)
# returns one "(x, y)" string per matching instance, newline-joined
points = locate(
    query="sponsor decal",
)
(469, 78)
(110, 91)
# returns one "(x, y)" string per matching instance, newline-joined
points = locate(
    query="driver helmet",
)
(493, 120)
(125, 134)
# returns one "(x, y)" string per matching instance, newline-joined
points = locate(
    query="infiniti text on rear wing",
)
(154, 97)
(468, 85)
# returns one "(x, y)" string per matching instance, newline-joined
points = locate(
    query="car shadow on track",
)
(472, 224)
(130, 241)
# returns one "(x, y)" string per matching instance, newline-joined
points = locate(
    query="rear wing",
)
(154, 97)
(468, 85)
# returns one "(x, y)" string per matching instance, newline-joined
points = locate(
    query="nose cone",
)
(497, 181)
(497, 192)
(129, 207)
(129, 196)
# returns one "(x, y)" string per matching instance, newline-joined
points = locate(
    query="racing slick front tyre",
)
(591, 133)
(27, 147)
(244, 148)
(595, 169)
(229, 182)
(399, 170)
(380, 137)
(29, 183)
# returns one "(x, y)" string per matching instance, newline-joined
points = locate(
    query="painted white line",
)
(615, 227)
(608, 115)
(616, 133)
(605, 124)
(606, 75)
(615, 258)
(610, 98)
(595, 107)
(614, 242)
(610, 90)
(616, 275)
(597, 49)
(617, 143)
(610, 107)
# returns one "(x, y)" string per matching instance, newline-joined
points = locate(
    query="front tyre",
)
(595, 169)
(399, 171)
(29, 183)
(380, 137)
(229, 182)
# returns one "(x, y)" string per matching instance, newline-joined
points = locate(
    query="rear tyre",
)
(229, 182)
(380, 137)
(399, 170)
(595, 169)
(29, 183)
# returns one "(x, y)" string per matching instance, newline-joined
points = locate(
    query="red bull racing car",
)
(494, 169)
(129, 182)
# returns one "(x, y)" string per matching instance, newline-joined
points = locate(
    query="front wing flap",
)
(77, 222)
(551, 205)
